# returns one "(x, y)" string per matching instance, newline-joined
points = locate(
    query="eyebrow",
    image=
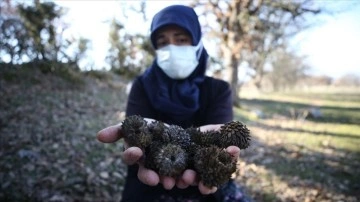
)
(161, 35)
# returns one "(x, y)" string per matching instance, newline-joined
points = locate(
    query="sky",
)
(331, 45)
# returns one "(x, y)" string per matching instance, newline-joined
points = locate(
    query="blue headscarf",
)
(178, 100)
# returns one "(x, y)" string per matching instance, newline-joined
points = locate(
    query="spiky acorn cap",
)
(150, 152)
(194, 133)
(169, 150)
(210, 137)
(234, 133)
(191, 151)
(201, 138)
(157, 129)
(214, 165)
(167, 159)
(136, 132)
(177, 135)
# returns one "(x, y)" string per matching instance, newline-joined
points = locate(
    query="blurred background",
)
(66, 66)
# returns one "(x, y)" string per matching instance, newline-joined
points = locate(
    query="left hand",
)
(189, 177)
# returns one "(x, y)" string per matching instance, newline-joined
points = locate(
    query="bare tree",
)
(128, 54)
(39, 22)
(287, 70)
(250, 29)
(14, 40)
(348, 80)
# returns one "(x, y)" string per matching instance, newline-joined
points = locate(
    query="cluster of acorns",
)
(170, 149)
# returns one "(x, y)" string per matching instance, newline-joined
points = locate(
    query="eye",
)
(183, 40)
(161, 43)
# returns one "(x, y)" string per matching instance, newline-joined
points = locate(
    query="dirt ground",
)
(49, 152)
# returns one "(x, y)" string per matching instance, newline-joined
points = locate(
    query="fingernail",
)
(214, 189)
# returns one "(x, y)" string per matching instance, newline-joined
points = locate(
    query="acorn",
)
(135, 131)
(214, 165)
(170, 149)
(210, 137)
(233, 133)
(178, 136)
(166, 159)
(195, 134)
(157, 129)
(150, 152)
(191, 151)
(202, 138)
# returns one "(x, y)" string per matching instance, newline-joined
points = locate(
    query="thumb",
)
(234, 151)
(110, 134)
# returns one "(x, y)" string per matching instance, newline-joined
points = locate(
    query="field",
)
(305, 145)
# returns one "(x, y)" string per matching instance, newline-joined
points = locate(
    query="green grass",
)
(324, 150)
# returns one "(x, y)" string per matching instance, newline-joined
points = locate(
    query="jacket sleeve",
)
(220, 108)
(138, 103)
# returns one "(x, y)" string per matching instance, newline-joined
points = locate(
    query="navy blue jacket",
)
(215, 104)
(215, 108)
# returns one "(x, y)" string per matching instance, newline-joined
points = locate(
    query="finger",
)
(150, 120)
(181, 184)
(210, 127)
(132, 155)
(110, 134)
(189, 177)
(206, 190)
(167, 182)
(148, 177)
(234, 151)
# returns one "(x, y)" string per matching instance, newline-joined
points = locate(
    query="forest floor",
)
(49, 151)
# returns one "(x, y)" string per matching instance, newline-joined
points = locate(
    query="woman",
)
(175, 90)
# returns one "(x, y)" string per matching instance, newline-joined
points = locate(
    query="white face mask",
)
(178, 62)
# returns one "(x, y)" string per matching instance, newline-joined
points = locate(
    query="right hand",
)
(131, 155)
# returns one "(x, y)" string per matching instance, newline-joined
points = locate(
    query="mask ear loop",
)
(199, 48)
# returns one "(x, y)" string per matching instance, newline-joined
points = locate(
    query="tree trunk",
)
(231, 62)
(234, 81)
